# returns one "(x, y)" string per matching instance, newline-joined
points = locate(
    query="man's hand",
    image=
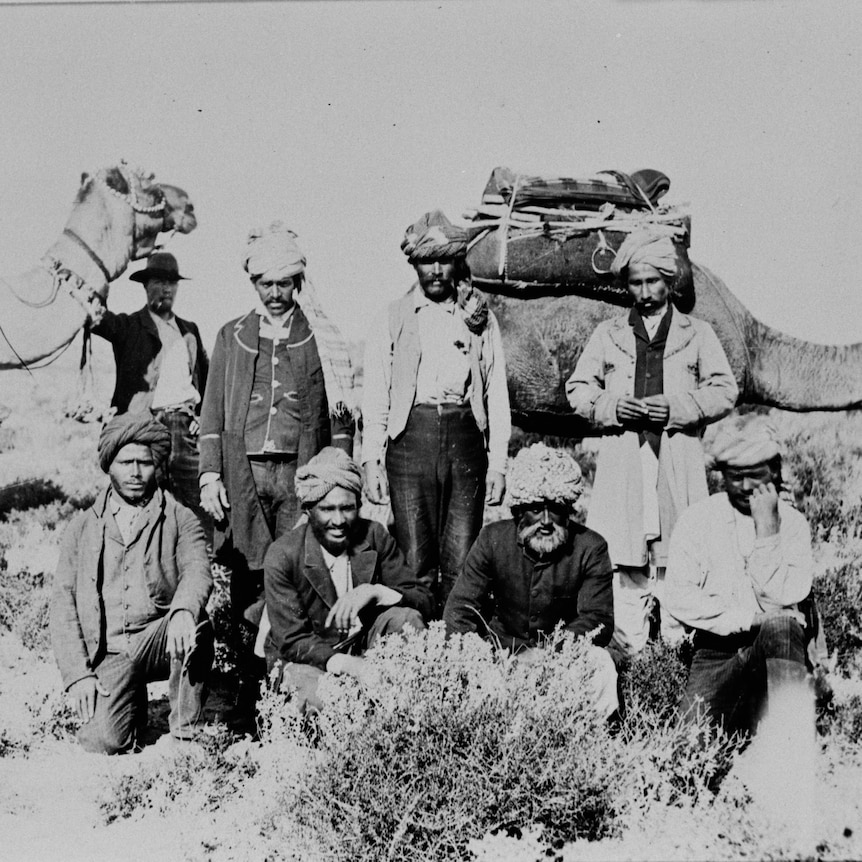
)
(631, 410)
(83, 694)
(375, 483)
(495, 488)
(355, 666)
(181, 634)
(214, 499)
(529, 656)
(344, 614)
(764, 510)
(658, 408)
(763, 616)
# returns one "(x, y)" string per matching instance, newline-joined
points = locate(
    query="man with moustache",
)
(161, 366)
(649, 381)
(740, 574)
(129, 597)
(334, 584)
(436, 408)
(280, 389)
(526, 575)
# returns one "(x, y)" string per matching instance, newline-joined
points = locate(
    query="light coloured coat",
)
(700, 388)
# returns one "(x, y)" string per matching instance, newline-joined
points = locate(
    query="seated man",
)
(129, 595)
(335, 583)
(740, 563)
(525, 575)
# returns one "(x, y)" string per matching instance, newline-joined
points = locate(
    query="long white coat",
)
(700, 388)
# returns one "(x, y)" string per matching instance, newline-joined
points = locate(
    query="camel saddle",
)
(548, 235)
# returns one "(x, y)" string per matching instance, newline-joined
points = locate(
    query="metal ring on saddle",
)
(602, 248)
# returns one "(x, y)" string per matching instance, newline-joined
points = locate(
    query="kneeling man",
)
(334, 583)
(525, 575)
(740, 563)
(129, 594)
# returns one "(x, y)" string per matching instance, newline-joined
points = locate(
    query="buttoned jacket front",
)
(700, 388)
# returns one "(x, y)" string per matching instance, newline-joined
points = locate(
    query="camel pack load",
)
(552, 234)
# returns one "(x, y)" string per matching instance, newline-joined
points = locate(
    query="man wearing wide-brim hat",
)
(162, 369)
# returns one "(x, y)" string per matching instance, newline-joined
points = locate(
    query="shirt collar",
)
(422, 301)
(261, 310)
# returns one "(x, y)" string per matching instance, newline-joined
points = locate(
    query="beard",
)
(335, 546)
(543, 544)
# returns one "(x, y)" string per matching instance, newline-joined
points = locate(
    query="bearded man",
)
(526, 575)
(436, 408)
(127, 606)
(334, 584)
(161, 366)
(280, 390)
(649, 381)
(740, 574)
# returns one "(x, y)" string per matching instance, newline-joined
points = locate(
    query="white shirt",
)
(174, 385)
(125, 515)
(342, 577)
(719, 575)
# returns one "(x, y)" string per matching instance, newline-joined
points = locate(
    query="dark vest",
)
(649, 369)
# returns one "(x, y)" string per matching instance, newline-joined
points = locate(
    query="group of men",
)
(258, 444)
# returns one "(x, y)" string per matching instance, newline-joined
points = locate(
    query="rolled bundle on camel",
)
(551, 235)
(116, 217)
(539, 252)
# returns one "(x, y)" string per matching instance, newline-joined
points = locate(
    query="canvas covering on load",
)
(552, 234)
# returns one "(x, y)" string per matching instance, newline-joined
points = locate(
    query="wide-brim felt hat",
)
(160, 264)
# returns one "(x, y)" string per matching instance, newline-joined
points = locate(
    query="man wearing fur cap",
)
(129, 595)
(649, 381)
(739, 573)
(334, 584)
(526, 575)
(280, 389)
(436, 407)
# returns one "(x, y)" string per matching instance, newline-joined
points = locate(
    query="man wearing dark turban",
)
(280, 389)
(335, 583)
(648, 381)
(129, 595)
(436, 407)
(739, 573)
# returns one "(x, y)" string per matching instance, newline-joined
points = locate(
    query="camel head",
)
(120, 211)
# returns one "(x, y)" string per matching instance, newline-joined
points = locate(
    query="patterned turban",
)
(433, 237)
(133, 428)
(541, 474)
(330, 468)
(743, 441)
(273, 253)
(646, 246)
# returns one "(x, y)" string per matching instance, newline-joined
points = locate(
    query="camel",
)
(543, 336)
(117, 216)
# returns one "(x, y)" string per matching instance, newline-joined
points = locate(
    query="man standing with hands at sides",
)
(648, 381)
(280, 389)
(436, 408)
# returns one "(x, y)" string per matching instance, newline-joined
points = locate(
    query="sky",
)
(348, 120)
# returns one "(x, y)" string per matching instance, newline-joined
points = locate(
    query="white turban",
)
(272, 253)
(541, 474)
(646, 246)
(743, 441)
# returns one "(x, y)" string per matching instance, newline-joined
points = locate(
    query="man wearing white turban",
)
(539, 569)
(334, 584)
(739, 573)
(648, 381)
(280, 389)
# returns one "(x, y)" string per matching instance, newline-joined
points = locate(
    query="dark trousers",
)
(120, 718)
(274, 483)
(436, 470)
(180, 474)
(732, 675)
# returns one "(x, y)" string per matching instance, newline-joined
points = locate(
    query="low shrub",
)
(653, 681)
(838, 593)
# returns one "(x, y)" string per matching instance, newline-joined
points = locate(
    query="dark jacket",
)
(137, 354)
(300, 592)
(225, 407)
(502, 592)
(173, 559)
